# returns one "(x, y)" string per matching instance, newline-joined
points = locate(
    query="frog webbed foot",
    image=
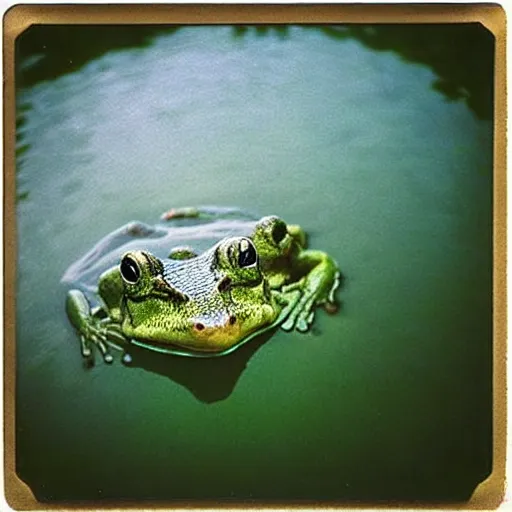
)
(303, 313)
(87, 342)
(92, 330)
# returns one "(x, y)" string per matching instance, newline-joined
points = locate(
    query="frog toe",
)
(336, 284)
(87, 353)
(302, 325)
(297, 321)
(288, 324)
(103, 348)
(85, 348)
(305, 318)
(302, 316)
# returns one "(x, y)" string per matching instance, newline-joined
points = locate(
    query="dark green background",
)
(378, 141)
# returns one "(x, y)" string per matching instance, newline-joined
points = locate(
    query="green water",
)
(381, 152)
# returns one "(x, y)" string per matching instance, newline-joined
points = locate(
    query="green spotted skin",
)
(206, 304)
(190, 303)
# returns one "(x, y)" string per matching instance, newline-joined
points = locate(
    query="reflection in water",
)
(44, 52)
(461, 55)
(210, 380)
(21, 149)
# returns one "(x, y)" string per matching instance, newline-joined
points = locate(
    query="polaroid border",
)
(489, 494)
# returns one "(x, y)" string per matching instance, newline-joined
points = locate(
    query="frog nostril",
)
(224, 285)
(232, 319)
(199, 326)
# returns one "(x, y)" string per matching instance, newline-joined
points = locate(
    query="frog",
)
(244, 276)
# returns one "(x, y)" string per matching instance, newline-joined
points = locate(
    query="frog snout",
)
(219, 329)
(219, 321)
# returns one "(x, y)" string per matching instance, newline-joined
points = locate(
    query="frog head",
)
(207, 303)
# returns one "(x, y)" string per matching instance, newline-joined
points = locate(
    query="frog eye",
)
(130, 271)
(247, 255)
(279, 231)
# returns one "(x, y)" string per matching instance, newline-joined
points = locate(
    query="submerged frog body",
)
(254, 275)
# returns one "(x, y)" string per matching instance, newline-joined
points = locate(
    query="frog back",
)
(197, 233)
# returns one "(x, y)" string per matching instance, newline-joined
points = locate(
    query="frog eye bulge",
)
(130, 271)
(247, 255)
(279, 231)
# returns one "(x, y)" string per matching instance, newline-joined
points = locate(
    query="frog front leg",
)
(99, 327)
(91, 331)
(320, 280)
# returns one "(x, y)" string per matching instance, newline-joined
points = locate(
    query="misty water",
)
(390, 174)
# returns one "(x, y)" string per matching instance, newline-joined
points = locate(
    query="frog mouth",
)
(177, 350)
(204, 341)
(171, 348)
(207, 335)
(214, 334)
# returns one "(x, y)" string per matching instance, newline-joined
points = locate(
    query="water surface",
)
(349, 136)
